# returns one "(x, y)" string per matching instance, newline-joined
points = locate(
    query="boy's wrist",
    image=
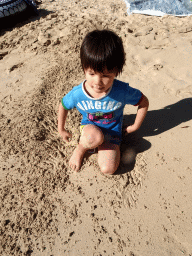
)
(132, 128)
(135, 127)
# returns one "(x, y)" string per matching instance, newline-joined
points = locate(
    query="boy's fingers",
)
(69, 135)
(66, 139)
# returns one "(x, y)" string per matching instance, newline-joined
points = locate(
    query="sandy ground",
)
(145, 209)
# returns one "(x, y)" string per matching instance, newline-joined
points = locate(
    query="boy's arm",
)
(61, 123)
(141, 113)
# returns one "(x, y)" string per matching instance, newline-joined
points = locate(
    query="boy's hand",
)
(66, 135)
(130, 129)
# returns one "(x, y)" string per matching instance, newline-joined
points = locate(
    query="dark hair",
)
(102, 49)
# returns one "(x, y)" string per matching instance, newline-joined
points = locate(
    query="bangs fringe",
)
(102, 49)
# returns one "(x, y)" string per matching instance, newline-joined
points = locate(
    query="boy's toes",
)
(73, 167)
(76, 169)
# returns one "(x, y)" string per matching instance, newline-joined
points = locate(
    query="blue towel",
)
(160, 7)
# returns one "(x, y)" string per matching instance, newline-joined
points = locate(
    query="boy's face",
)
(99, 82)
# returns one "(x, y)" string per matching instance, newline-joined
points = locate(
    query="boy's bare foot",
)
(76, 158)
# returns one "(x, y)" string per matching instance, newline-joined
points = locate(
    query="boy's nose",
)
(97, 80)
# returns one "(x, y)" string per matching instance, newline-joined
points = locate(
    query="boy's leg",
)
(108, 157)
(91, 137)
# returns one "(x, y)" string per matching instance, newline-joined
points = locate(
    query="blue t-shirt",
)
(105, 112)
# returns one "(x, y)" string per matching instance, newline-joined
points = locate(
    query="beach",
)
(145, 208)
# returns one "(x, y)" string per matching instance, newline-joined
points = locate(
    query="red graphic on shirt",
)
(100, 115)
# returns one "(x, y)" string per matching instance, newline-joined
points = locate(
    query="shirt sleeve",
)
(132, 96)
(68, 101)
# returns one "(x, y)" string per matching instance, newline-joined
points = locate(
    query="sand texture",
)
(145, 209)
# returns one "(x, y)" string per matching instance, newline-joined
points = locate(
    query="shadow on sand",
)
(155, 123)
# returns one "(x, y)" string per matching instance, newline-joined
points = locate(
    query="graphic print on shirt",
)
(99, 116)
(103, 105)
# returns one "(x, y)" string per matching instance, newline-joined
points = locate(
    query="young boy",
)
(101, 98)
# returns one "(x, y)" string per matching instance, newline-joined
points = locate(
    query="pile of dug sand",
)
(47, 209)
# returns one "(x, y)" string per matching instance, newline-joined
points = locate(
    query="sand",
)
(145, 209)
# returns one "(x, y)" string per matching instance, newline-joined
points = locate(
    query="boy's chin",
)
(99, 89)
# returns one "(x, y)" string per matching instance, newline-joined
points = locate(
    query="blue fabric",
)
(172, 7)
(105, 112)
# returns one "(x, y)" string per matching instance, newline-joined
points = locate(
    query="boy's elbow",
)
(147, 102)
(144, 102)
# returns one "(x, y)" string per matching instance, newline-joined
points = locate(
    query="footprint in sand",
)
(178, 88)
(185, 92)
(144, 31)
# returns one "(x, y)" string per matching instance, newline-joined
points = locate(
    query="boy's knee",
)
(92, 138)
(107, 169)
